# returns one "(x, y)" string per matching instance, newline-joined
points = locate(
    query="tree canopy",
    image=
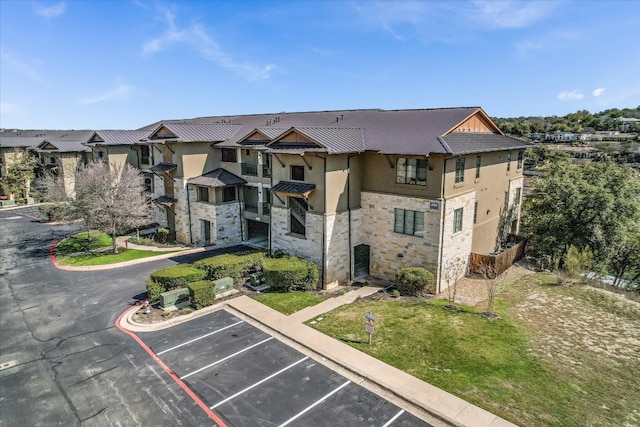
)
(19, 174)
(594, 206)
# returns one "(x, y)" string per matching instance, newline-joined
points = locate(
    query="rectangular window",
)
(298, 215)
(518, 196)
(297, 173)
(52, 160)
(506, 201)
(457, 220)
(411, 171)
(228, 194)
(229, 155)
(520, 158)
(508, 161)
(478, 163)
(459, 169)
(408, 222)
(475, 212)
(144, 154)
(203, 194)
(148, 183)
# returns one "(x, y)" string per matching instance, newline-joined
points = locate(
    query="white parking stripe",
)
(394, 418)
(299, 414)
(12, 217)
(258, 383)
(226, 358)
(199, 338)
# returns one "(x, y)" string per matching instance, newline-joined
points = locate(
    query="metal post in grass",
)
(369, 325)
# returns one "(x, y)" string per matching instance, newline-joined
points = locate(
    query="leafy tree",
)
(19, 174)
(625, 262)
(589, 205)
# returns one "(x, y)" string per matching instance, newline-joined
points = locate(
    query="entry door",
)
(361, 254)
(206, 232)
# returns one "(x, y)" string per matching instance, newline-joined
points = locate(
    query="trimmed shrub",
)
(154, 289)
(414, 281)
(177, 276)
(230, 265)
(289, 274)
(202, 293)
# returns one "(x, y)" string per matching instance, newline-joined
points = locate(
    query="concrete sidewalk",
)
(439, 403)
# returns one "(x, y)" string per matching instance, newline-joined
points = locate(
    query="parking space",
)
(250, 378)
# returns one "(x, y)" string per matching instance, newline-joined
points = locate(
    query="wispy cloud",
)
(570, 95)
(51, 11)
(198, 38)
(121, 91)
(553, 40)
(598, 92)
(510, 13)
(22, 67)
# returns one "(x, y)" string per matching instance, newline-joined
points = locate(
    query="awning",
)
(164, 200)
(293, 189)
(163, 167)
(217, 178)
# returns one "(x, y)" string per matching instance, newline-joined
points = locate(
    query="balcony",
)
(266, 208)
(249, 169)
(250, 207)
(266, 171)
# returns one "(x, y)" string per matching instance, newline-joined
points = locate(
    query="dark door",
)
(361, 255)
(206, 231)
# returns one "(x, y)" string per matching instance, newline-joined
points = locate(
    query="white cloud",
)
(20, 66)
(598, 92)
(199, 39)
(572, 95)
(510, 13)
(52, 11)
(122, 91)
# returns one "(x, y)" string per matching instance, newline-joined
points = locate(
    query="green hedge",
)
(414, 281)
(202, 293)
(177, 276)
(154, 289)
(229, 265)
(290, 273)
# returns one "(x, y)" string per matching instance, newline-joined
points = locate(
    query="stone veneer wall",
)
(337, 250)
(373, 225)
(457, 244)
(182, 212)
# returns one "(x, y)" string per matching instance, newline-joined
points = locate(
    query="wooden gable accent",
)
(293, 138)
(96, 138)
(478, 122)
(48, 146)
(255, 138)
(163, 133)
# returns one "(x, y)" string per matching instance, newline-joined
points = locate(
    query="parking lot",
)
(250, 378)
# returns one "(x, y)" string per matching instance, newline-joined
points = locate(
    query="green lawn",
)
(528, 368)
(108, 258)
(289, 302)
(80, 243)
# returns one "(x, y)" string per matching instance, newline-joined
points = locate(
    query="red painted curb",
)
(172, 374)
(52, 255)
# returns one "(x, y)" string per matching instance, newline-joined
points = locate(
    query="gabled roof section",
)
(262, 136)
(194, 132)
(19, 141)
(217, 178)
(323, 139)
(61, 146)
(117, 137)
(466, 142)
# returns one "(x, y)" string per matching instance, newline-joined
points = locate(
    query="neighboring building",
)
(362, 192)
(9, 145)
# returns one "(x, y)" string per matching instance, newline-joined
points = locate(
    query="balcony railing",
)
(249, 169)
(266, 208)
(266, 171)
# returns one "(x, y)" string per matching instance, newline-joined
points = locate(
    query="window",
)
(475, 212)
(52, 160)
(457, 220)
(408, 222)
(144, 154)
(459, 169)
(506, 201)
(148, 183)
(297, 173)
(478, 163)
(228, 194)
(297, 215)
(411, 171)
(229, 155)
(203, 194)
(520, 158)
(508, 161)
(518, 195)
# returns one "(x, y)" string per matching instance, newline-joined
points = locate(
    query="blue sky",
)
(124, 64)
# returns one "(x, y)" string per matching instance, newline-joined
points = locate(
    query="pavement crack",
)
(92, 377)
(94, 415)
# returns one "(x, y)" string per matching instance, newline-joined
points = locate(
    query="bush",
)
(177, 276)
(414, 281)
(288, 274)
(202, 293)
(230, 265)
(53, 212)
(154, 289)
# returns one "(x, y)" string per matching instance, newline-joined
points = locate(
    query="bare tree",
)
(452, 269)
(114, 196)
(490, 275)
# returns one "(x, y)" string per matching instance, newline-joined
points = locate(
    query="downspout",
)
(324, 221)
(189, 212)
(444, 210)
(270, 207)
(349, 212)
(241, 218)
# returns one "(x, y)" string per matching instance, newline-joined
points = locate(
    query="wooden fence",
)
(501, 261)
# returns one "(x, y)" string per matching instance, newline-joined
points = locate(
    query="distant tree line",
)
(580, 121)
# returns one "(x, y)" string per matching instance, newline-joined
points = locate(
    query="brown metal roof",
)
(469, 142)
(164, 200)
(118, 137)
(19, 141)
(62, 146)
(217, 178)
(198, 132)
(163, 167)
(293, 188)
